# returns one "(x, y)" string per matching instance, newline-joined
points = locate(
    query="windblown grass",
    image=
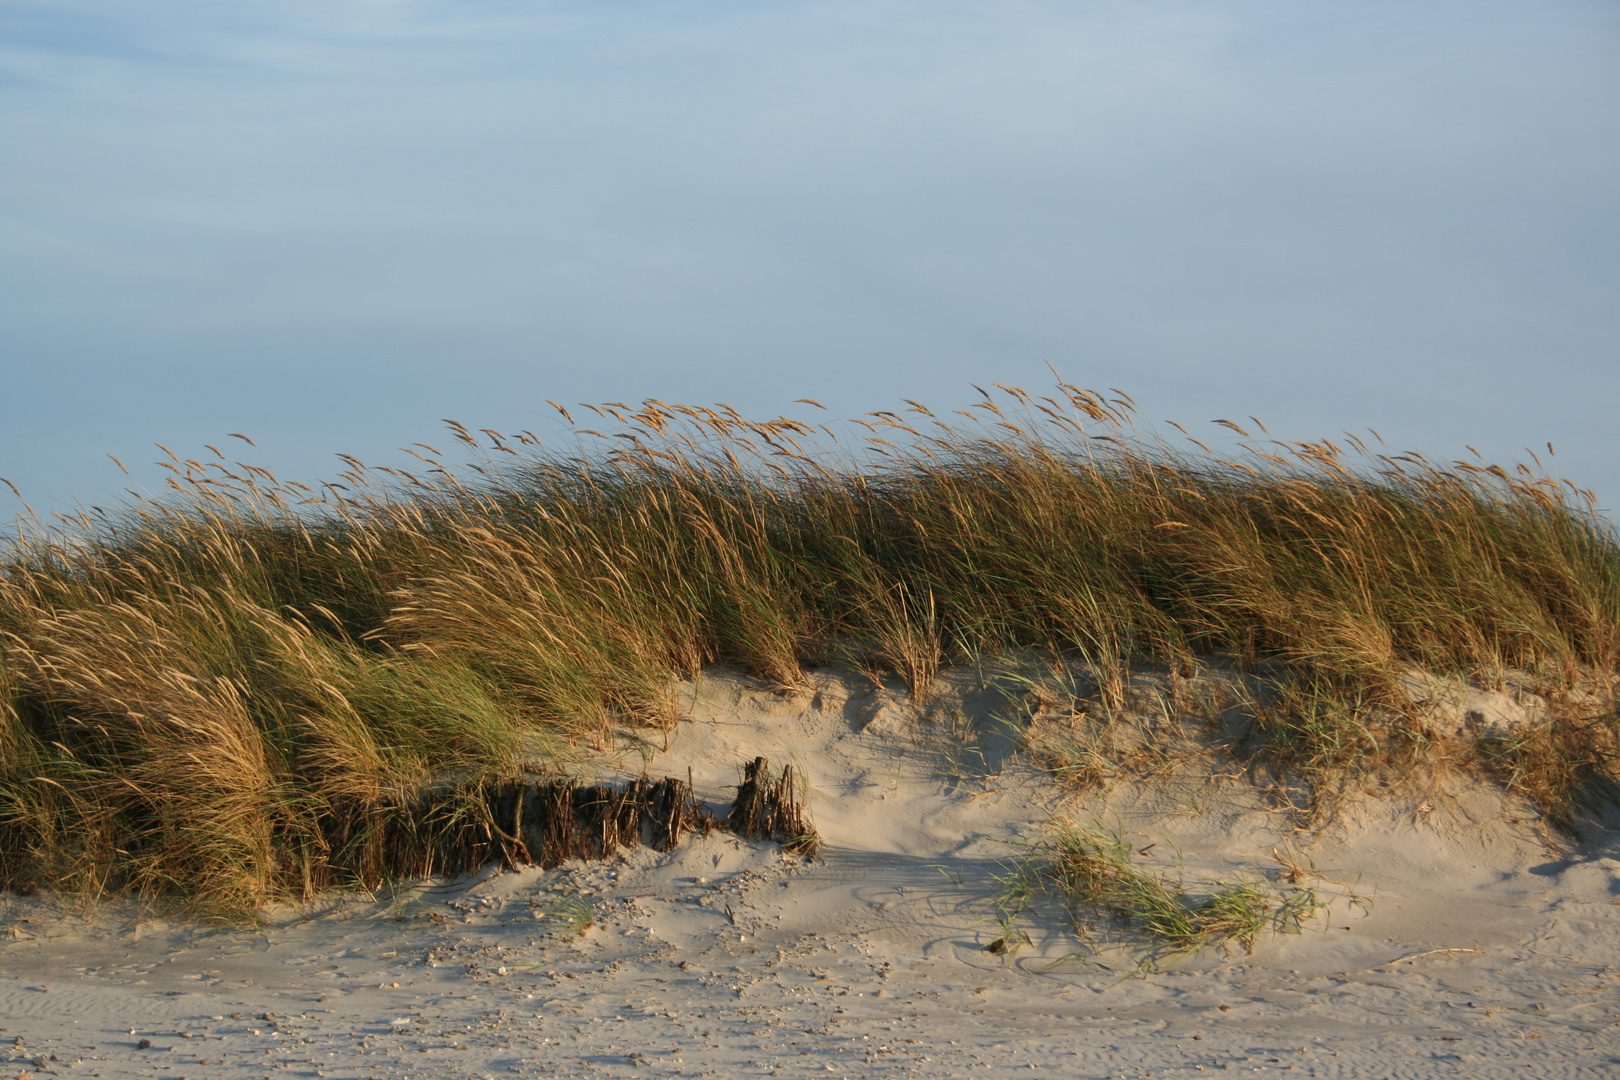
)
(1096, 875)
(224, 694)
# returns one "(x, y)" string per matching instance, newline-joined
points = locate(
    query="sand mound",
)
(1452, 938)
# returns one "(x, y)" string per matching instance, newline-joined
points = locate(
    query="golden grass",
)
(228, 693)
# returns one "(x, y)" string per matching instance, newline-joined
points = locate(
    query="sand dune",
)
(1458, 936)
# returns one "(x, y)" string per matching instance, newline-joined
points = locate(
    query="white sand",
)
(723, 958)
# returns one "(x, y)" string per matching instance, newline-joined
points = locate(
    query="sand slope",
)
(1455, 940)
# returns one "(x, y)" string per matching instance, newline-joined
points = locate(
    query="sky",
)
(330, 224)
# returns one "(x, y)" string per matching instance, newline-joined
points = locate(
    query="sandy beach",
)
(1457, 937)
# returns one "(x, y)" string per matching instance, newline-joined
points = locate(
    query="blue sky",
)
(329, 224)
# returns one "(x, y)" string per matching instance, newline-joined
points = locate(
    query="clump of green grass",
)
(568, 912)
(225, 694)
(1096, 875)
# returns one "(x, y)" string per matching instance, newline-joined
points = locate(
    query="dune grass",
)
(221, 694)
(1095, 873)
(1104, 884)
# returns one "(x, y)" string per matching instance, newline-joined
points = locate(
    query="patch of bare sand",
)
(1453, 941)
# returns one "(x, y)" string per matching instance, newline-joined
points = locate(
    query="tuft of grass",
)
(1563, 765)
(239, 690)
(1095, 873)
(568, 913)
